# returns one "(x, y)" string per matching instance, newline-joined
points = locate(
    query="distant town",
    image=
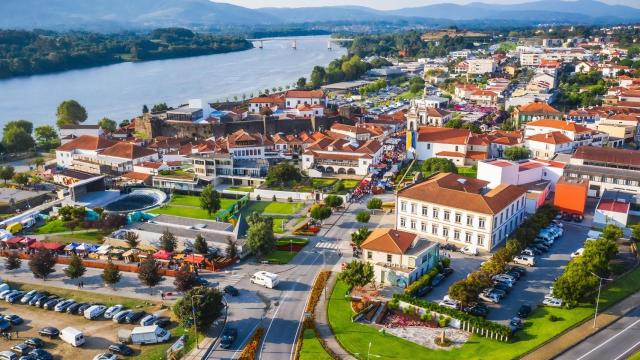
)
(446, 194)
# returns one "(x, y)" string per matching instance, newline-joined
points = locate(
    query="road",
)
(617, 341)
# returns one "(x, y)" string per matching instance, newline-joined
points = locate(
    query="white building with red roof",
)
(273, 102)
(342, 156)
(550, 136)
(293, 98)
(82, 145)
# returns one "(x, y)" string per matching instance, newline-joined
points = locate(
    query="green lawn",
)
(281, 257)
(241, 188)
(271, 207)
(189, 206)
(538, 329)
(52, 227)
(88, 236)
(635, 356)
(322, 182)
(311, 348)
(468, 171)
(292, 240)
(350, 184)
(279, 225)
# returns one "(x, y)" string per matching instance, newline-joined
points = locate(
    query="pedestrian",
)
(16, 334)
(162, 295)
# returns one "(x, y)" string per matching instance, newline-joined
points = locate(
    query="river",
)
(119, 91)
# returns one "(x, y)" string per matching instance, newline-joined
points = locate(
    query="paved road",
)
(617, 341)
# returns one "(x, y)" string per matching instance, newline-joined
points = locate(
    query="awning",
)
(86, 247)
(103, 250)
(71, 246)
(162, 255)
(195, 259)
(46, 245)
(14, 240)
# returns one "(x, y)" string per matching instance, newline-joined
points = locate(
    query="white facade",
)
(481, 66)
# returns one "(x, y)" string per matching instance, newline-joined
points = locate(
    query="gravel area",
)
(425, 336)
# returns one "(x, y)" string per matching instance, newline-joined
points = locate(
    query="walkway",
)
(322, 323)
(210, 338)
(574, 336)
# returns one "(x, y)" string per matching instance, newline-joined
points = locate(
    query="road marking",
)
(611, 338)
(628, 350)
(328, 245)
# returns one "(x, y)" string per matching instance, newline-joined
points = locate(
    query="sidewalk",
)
(322, 323)
(574, 336)
(209, 340)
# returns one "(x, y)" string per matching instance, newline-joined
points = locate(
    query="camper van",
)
(14, 228)
(149, 335)
(28, 222)
(72, 336)
(266, 279)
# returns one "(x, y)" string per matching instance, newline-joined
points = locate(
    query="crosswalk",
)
(230, 279)
(332, 245)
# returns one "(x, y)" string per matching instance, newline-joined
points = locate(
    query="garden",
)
(286, 249)
(280, 212)
(189, 206)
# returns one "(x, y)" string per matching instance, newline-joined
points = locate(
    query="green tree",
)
(357, 273)
(145, 109)
(148, 273)
(301, 83)
(70, 112)
(463, 291)
(6, 173)
(232, 249)
(205, 302)
(374, 203)
(333, 201)
(38, 162)
(75, 269)
(611, 232)
(111, 274)
(317, 76)
(210, 200)
(158, 108)
(516, 153)
(260, 238)
(108, 124)
(168, 241)
(16, 136)
(635, 232)
(185, 280)
(320, 212)
(283, 174)
(13, 261)
(363, 216)
(21, 179)
(438, 164)
(360, 235)
(132, 239)
(200, 245)
(42, 263)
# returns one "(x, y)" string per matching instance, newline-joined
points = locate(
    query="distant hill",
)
(103, 15)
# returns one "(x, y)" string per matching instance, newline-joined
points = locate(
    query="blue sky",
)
(383, 4)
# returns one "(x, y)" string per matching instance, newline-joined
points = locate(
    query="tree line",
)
(25, 53)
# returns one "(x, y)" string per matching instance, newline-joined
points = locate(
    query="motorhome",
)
(72, 336)
(266, 279)
(152, 334)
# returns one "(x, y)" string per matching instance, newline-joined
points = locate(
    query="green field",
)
(189, 206)
(88, 236)
(280, 256)
(271, 207)
(538, 329)
(468, 171)
(240, 188)
(291, 240)
(52, 227)
(322, 182)
(311, 348)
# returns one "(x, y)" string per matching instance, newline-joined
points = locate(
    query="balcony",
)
(328, 162)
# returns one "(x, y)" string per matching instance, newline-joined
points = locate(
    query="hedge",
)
(474, 321)
(423, 280)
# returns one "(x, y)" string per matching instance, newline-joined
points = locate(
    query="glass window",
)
(469, 220)
(434, 229)
(435, 213)
(403, 222)
(423, 226)
(389, 258)
(456, 234)
(481, 240)
(425, 211)
(445, 231)
(403, 206)
(446, 215)
(467, 237)
(369, 255)
(458, 218)
(413, 208)
(481, 222)
(413, 224)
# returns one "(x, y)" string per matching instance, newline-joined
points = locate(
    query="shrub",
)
(423, 280)
(446, 262)
(273, 198)
(444, 321)
(290, 199)
(363, 216)
(554, 318)
(258, 197)
(426, 316)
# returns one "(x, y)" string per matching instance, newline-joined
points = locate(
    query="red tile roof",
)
(555, 137)
(538, 107)
(303, 94)
(389, 241)
(443, 135)
(614, 206)
(87, 142)
(127, 151)
(608, 155)
(450, 154)
(560, 125)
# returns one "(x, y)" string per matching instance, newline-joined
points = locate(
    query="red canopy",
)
(27, 241)
(14, 240)
(46, 245)
(162, 255)
(194, 258)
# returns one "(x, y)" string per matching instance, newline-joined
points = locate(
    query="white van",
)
(28, 222)
(149, 335)
(95, 311)
(266, 279)
(72, 336)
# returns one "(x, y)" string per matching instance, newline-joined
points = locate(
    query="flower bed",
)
(250, 350)
(396, 319)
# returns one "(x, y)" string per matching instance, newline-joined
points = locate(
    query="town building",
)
(70, 132)
(616, 207)
(571, 194)
(341, 156)
(535, 111)
(547, 137)
(419, 114)
(448, 207)
(399, 257)
(481, 66)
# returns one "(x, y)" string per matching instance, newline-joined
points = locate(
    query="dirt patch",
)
(99, 333)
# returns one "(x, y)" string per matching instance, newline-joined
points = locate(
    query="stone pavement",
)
(574, 336)
(322, 323)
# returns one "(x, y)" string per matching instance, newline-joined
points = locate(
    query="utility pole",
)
(595, 317)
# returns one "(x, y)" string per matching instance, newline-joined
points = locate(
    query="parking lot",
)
(99, 333)
(531, 288)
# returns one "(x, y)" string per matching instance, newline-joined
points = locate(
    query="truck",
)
(151, 334)
(72, 336)
(266, 279)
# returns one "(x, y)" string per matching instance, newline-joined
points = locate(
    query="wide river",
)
(119, 91)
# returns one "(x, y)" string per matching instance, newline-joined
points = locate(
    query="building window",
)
(480, 240)
(425, 211)
(403, 206)
(434, 229)
(446, 215)
(369, 255)
(456, 234)
(423, 226)
(413, 224)
(481, 222)
(445, 232)
(403, 222)
(469, 220)
(389, 258)
(413, 208)
(467, 238)
(435, 213)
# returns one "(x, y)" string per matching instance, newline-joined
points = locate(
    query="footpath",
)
(574, 336)
(322, 323)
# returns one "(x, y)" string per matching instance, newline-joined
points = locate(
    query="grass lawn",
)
(241, 188)
(288, 241)
(350, 184)
(538, 329)
(322, 182)
(270, 207)
(635, 356)
(278, 225)
(88, 236)
(280, 256)
(189, 206)
(159, 351)
(311, 348)
(52, 227)
(468, 171)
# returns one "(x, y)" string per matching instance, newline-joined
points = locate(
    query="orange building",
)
(571, 194)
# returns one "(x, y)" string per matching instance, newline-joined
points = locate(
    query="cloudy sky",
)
(382, 4)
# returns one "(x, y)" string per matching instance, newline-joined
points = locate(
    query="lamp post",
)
(595, 317)
(195, 325)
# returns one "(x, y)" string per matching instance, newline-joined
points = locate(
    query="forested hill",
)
(39, 52)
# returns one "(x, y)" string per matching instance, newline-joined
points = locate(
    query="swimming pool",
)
(140, 199)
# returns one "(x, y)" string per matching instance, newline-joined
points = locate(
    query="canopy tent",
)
(116, 252)
(71, 246)
(103, 250)
(195, 259)
(46, 245)
(86, 247)
(162, 255)
(14, 240)
(26, 241)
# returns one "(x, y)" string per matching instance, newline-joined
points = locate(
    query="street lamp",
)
(595, 317)
(195, 326)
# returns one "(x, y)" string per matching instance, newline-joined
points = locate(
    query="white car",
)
(470, 250)
(525, 260)
(527, 252)
(449, 302)
(551, 301)
(504, 278)
(112, 311)
(105, 356)
(493, 298)
(577, 253)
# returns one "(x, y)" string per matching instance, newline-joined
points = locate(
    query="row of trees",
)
(345, 68)
(467, 290)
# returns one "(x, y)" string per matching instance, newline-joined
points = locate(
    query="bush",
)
(443, 321)
(363, 216)
(290, 199)
(273, 198)
(426, 316)
(374, 203)
(446, 262)
(554, 318)
(423, 280)
(258, 198)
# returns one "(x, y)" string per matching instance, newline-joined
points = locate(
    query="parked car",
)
(4, 325)
(477, 309)
(28, 296)
(490, 297)
(163, 322)
(51, 304)
(94, 312)
(577, 253)
(447, 271)
(516, 322)
(13, 319)
(63, 305)
(502, 287)
(449, 302)
(567, 217)
(21, 349)
(437, 279)
(515, 268)
(577, 218)
(40, 303)
(112, 311)
(524, 260)
(8, 355)
(231, 290)
(449, 247)
(551, 301)
(39, 296)
(424, 290)
(494, 290)
(50, 332)
(121, 316)
(528, 252)
(105, 356)
(82, 308)
(228, 337)
(34, 342)
(41, 354)
(470, 250)
(73, 308)
(134, 316)
(148, 320)
(524, 311)
(121, 349)
(13, 298)
(504, 278)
